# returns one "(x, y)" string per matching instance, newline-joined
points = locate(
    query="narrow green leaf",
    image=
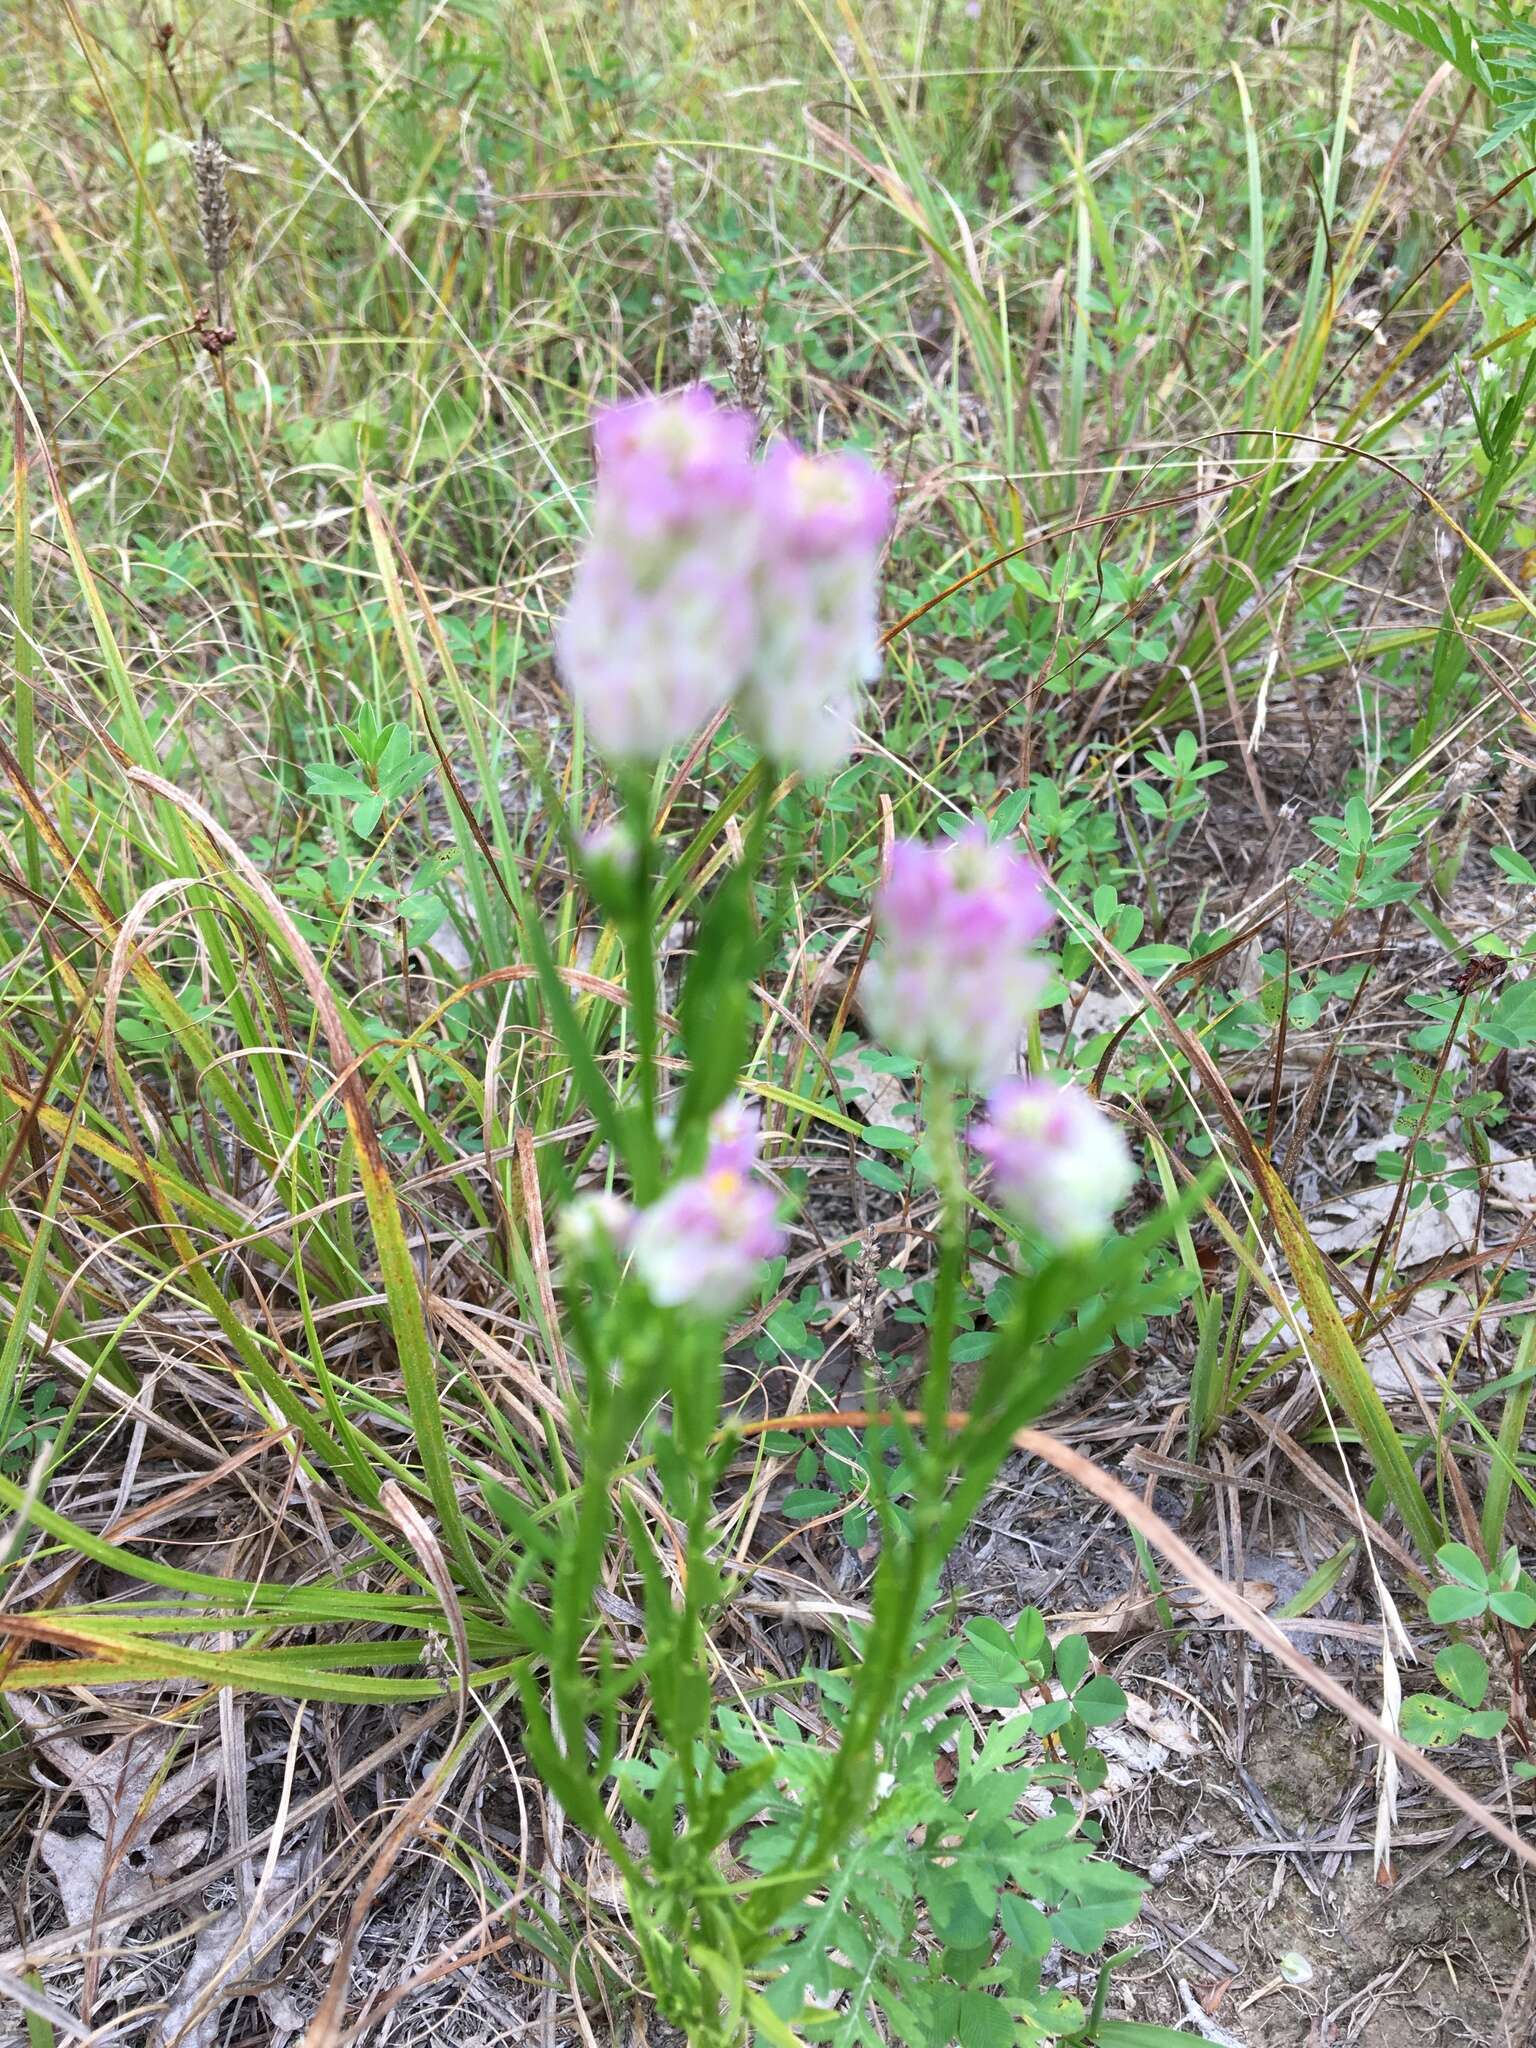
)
(1344, 1371)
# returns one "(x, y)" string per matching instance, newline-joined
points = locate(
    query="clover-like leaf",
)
(1463, 1565)
(1025, 1926)
(1490, 1722)
(326, 780)
(1463, 1672)
(1054, 1714)
(1430, 1722)
(1073, 1658)
(991, 1663)
(1101, 1701)
(1458, 1603)
(961, 1902)
(1085, 1928)
(1092, 1770)
(1029, 1639)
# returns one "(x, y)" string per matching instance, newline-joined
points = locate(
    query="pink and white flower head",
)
(823, 521)
(659, 627)
(670, 465)
(1059, 1163)
(957, 977)
(703, 1245)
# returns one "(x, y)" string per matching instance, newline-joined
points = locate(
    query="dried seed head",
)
(701, 339)
(1468, 776)
(748, 380)
(664, 194)
(215, 216)
(485, 200)
(437, 1660)
(1512, 787)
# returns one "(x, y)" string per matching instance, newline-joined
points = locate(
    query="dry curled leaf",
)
(1418, 1340)
(93, 1880)
(1355, 1222)
(230, 1948)
(1511, 1175)
(879, 1097)
(1135, 1613)
(1403, 1357)
(113, 1781)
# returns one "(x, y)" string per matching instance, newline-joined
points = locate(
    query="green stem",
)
(944, 1147)
(640, 971)
(909, 1561)
(1511, 1429)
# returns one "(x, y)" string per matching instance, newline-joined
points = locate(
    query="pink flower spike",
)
(822, 522)
(660, 623)
(703, 1245)
(956, 976)
(1061, 1165)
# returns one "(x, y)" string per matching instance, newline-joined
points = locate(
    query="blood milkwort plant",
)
(715, 580)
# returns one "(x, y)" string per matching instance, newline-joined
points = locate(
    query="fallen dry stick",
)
(1224, 1598)
(1231, 1603)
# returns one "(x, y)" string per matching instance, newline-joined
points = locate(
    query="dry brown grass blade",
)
(501, 977)
(389, 545)
(28, 1999)
(402, 1287)
(52, 1351)
(36, 1628)
(1317, 1475)
(1328, 1344)
(1240, 732)
(538, 1249)
(62, 1943)
(417, 1531)
(325, 2029)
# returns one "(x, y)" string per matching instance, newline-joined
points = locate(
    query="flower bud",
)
(595, 1222)
(734, 1134)
(610, 862)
